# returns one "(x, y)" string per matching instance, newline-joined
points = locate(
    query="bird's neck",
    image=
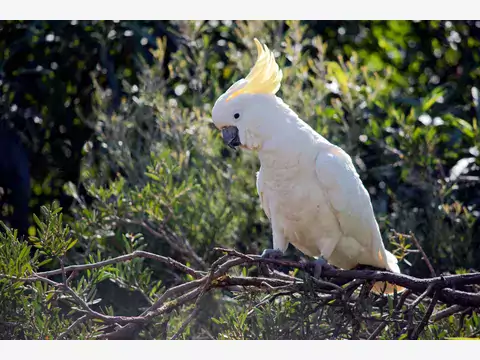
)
(289, 145)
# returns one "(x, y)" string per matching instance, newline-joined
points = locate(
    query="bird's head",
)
(244, 112)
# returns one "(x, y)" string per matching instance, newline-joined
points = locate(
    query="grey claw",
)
(272, 254)
(269, 254)
(320, 263)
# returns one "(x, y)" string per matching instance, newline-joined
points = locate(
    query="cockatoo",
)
(308, 187)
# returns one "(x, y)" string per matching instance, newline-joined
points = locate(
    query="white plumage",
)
(314, 198)
(308, 187)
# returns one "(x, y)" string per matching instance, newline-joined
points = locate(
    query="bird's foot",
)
(269, 254)
(272, 254)
(320, 263)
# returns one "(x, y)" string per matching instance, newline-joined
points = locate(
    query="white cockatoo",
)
(308, 187)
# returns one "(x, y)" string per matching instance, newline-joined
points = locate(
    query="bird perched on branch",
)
(308, 187)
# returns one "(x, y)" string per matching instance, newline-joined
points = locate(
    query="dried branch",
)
(425, 318)
(177, 243)
(185, 323)
(337, 285)
(75, 324)
(396, 311)
(447, 312)
(136, 254)
(421, 297)
(424, 256)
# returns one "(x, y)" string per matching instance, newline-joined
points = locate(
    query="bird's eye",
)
(236, 115)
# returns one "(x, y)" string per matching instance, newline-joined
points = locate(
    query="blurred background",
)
(110, 120)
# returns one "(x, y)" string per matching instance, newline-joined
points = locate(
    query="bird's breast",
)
(297, 202)
(291, 188)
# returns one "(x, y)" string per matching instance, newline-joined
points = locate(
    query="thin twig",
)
(76, 323)
(439, 315)
(185, 323)
(421, 297)
(424, 256)
(234, 253)
(396, 311)
(136, 254)
(426, 317)
(62, 268)
(166, 234)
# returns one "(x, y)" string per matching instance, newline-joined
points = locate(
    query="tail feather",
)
(392, 262)
(381, 287)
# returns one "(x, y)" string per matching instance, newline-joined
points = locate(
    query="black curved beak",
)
(230, 136)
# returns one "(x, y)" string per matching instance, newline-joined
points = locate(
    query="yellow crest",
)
(265, 76)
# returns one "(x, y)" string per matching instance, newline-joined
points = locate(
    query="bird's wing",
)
(260, 191)
(350, 202)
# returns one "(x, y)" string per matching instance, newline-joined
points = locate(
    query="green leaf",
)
(45, 262)
(336, 71)
(432, 99)
(72, 244)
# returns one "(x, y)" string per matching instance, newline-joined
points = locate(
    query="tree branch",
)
(337, 285)
(136, 254)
